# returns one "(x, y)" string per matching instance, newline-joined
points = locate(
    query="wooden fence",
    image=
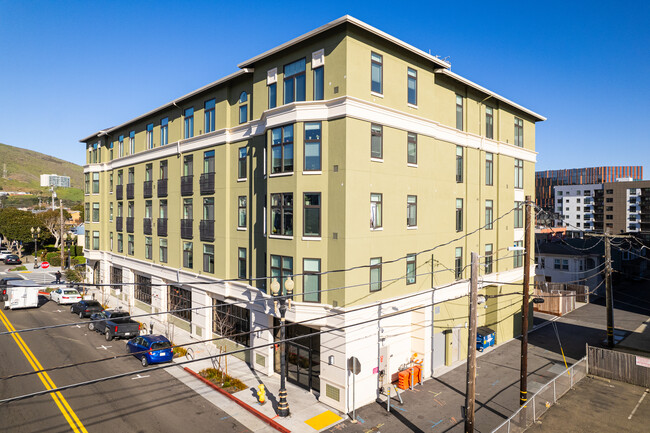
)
(620, 366)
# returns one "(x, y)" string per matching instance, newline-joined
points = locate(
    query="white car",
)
(3, 254)
(65, 296)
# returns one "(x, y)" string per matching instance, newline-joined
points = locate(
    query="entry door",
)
(299, 365)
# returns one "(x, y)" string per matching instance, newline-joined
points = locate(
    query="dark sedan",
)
(86, 308)
(13, 259)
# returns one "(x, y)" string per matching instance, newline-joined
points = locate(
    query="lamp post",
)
(285, 302)
(35, 233)
(69, 241)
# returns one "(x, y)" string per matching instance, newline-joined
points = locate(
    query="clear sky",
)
(71, 68)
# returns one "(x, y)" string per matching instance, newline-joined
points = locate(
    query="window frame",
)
(489, 122)
(243, 107)
(308, 274)
(459, 215)
(374, 224)
(379, 64)
(376, 131)
(282, 210)
(460, 110)
(242, 211)
(489, 214)
(519, 173)
(305, 217)
(411, 207)
(489, 169)
(188, 255)
(242, 172)
(209, 115)
(376, 266)
(489, 259)
(294, 80)
(283, 145)
(519, 132)
(188, 123)
(411, 143)
(208, 258)
(311, 141)
(180, 298)
(412, 76)
(149, 130)
(458, 263)
(460, 162)
(318, 76)
(242, 262)
(411, 274)
(273, 95)
(164, 131)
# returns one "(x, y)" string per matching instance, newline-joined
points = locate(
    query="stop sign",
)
(45, 265)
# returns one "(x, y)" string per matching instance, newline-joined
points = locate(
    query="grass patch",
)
(226, 382)
(18, 268)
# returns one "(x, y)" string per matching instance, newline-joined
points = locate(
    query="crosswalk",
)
(40, 277)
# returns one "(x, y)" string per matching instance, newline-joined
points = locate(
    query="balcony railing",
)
(206, 230)
(207, 183)
(119, 221)
(162, 227)
(146, 226)
(119, 192)
(186, 228)
(130, 191)
(147, 189)
(162, 187)
(187, 185)
(129, 224)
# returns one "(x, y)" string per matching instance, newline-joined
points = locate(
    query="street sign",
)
(354, 366)
(45, 265)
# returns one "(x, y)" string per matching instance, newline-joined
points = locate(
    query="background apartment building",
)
(342, 149)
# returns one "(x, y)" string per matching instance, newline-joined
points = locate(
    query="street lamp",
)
(35, 233)
(69, 242)
(284, 301)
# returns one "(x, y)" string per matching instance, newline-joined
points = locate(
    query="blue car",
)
(150, 349)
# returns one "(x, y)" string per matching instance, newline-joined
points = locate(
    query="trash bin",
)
(484, 338)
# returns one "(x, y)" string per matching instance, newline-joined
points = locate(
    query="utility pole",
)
(609, 301)
(523, 378)
(470, 391)
(61, 229)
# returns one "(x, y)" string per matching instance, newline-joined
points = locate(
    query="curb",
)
(252, 410)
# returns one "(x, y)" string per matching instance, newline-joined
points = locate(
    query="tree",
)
(15, 224)
(51, 220)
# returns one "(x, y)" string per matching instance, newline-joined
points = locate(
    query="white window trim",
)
(376, 229)
(412, 165)
(281, 237)
(281, 174)
(376, 159)
(311, 238)
(312, 172)
(379, 95)
(411, 227)
(242, 179)
(242, 229)
(412, 106)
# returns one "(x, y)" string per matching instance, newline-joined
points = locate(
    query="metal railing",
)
(543, 399)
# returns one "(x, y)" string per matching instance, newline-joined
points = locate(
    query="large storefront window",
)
(229, 321)
(143, 289)
(116, 278)
(180, 299)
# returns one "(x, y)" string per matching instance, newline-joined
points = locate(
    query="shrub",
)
(78, 251)
(229, 383)
(54, 258)
(77, 260)
(179, 351)
(73, 275)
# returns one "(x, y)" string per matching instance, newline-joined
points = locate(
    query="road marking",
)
(58, 398)
(103, 347)
(637, 405)
(436, 423)
(77, 326)
(139, 377)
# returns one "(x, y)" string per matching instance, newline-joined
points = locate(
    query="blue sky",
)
(69, 69)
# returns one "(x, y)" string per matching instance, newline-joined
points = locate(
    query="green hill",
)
(21, 169)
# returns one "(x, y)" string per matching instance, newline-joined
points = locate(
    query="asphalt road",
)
(154, 401)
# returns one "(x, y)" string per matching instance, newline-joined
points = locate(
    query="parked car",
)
(65, 296)
(4, 253)
(3, 287)
(114, 323)
(150, 349)
(12, 259)
(86, 308)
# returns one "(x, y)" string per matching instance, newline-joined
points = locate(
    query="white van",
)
(22, 294)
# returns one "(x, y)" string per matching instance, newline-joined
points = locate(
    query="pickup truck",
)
(114, 323)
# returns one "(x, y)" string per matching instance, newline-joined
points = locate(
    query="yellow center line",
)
(58, 398)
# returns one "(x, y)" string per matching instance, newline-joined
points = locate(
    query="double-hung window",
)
(281, 269)
(150, 136)
(518, 259)
(411, 211)
(241, 208)
(410, 269)
(148, 247)
(209, 119)
(120, 243)
(164, 131)
(189, 122)
(412, 148)
(282, 214)
(489, 214)
(458, 263)
(243, 107)
(489, 122)
(120, 145)
(519, 173)
(130, 245)
(294, 81)
(188, 259)
(131, 142)
(376, 142)
(311, 280)
(519, 214)
(376, 73)
(519, 132)
(162, 250)
(459, 214)
(375, 274)
(241, 263)
(459, 112)
(282, 149)
(273, 95)
(110, 211)
(95, 183)
(95, 212)
(87, 183)
(95, 240)
(319, 83)
(488, 259)
(375, 211)
(208, 258)
(312, 146)
(412, 85)
(312, 212)
(241, 167)
(459, 164)
(489, 169)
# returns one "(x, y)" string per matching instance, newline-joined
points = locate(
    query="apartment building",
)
(575, 206)
(346, 160)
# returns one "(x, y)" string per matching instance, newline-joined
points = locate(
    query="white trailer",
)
(22, 294)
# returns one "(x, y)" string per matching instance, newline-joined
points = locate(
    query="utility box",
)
(21, 294)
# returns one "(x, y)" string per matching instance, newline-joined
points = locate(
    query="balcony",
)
(206, 230)
(119, 224)
(147, 189)
(187, 185)
(146, 226)
(162, 227)
(207, 183)
(186, 228)
(162, 188)
(130, 191)
(130, 224)
(119, 192)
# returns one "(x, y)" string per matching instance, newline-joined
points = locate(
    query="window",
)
(110, 211)
(187, 209)
(376, 73)
(208, 259)
(489, 123)
(557, 264)
(609, 217)
(110, 152)
(294, 81)
(95, 212)
(519, 214)
(95, 240)
(87, 242)
(208, 107)
(488, 259)
(312, 146)
(87, 212)
(241, 167)
(243, 107)
(519, 173)
(241, 263)
(95, 183)
(163, 209)
(150, 136)
(188, 165)
(411, 211)
(148, 172)
(319, 83)
(609, 200)
(164, 131)
(375, 211)
(208, 161)
(519, 132)
(410, 269)
(412, 86)
(282, 149)
(143, 289)
(489, 168)
(163, 250)
(411, 148)
(282, 214)
(311, 217)
(148, 247)
(281, 269)
(542, 262)
(489, 213)
(120, 243)
(609, 191)
(376, 142)
(311, 280)
(458, 263)
(110, 183)
(273, 95)
(208, 208)
(189, 122)
(188, 259)
(148, 206)
(231, 319)
(121, 145)
(163, 170)
(459, 112)
(375, 274)
(110, 236)
(179, 302)
(130, 246)
(131, 142)
(87, 183)
(241, 216)
(565, 264)
(119, 209)
(459, 164)
(518, 255)
(459, 214)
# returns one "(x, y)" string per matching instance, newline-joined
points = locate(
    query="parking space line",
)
(58, 398)
(637, 405)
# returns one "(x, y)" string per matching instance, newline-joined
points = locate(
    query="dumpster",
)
(484, 338)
